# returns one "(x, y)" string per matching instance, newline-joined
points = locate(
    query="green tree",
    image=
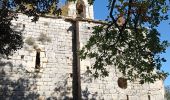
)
(129, 41)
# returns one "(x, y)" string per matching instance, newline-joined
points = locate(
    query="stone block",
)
(30, 64)
(33, 54)
(40, 83)
(28, 58)
(44, 60)
(47, 80)
(42, 54)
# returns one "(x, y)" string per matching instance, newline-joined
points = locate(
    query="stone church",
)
(48, 66)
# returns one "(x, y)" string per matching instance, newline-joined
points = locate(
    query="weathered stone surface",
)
(53, 79)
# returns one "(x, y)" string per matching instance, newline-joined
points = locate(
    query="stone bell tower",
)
(80, 8)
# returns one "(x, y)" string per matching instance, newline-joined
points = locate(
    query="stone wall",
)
(53, 39)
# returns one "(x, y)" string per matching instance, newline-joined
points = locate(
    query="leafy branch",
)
(126, 43)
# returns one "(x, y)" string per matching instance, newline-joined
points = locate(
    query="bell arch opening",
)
(81, 9)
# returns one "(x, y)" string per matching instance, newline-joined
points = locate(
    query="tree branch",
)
(128, 15)
(111, 15)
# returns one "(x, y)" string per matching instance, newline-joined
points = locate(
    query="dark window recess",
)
(122, 83)
(71, 75)
(37, 62)
(80, 7)
(149, 97)
(22, 56)
(127, 97)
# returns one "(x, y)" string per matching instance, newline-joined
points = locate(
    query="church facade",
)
(48, 66)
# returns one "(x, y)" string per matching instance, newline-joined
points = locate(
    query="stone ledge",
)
(72, 19)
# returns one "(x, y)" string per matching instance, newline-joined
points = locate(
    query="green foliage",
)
(126, 43)
(10, 40)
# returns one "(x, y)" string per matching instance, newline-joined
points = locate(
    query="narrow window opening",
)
(37, 62)
(149, 97)
(127, 97)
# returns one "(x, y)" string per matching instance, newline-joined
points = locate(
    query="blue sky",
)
(101, 12)
(164, 29)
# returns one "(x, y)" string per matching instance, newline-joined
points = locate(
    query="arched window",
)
(80, 8)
